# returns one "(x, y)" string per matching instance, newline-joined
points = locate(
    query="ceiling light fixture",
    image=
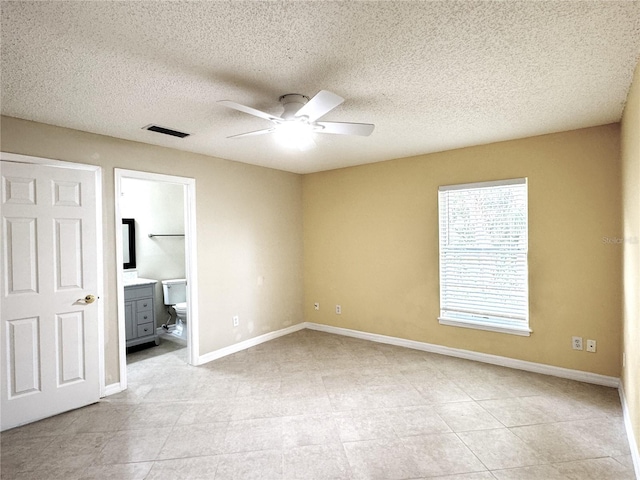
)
(295, 134)
(299, 120)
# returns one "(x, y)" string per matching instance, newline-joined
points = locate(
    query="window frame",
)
(518, 327)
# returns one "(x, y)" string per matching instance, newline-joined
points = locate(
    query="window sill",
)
(524, 332)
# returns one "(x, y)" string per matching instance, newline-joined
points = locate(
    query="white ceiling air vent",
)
(166, 131)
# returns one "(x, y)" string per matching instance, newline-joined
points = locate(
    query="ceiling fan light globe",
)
(293, 134)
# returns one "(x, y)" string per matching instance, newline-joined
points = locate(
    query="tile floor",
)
(317, 406)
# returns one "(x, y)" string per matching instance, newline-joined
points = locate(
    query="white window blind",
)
(483, 256)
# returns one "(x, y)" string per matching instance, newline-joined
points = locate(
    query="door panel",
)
(24, 358)
(70, 351)
(21, 258)
(68, 249)
(48, 331)
(19, 190)
(66, 194)
(129, 319)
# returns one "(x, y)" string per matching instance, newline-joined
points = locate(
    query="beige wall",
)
(371, 245)
(157, 207)
(371, 240)
(249, 225)
(631, 264)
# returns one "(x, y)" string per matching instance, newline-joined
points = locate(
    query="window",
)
(483, 256)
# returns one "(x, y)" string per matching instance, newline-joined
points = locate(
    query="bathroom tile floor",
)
(312, 405)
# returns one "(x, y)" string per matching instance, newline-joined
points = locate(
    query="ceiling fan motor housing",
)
(292, 102)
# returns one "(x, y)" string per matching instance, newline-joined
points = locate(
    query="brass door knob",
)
(89, 299)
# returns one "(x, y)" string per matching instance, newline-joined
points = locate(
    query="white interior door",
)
(49, 332)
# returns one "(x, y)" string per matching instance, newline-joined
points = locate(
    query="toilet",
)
(174, 292)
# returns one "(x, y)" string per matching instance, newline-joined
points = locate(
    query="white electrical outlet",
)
(316, 306)
(591, 346)
(236, 321)
(338, 310)
(576, 343)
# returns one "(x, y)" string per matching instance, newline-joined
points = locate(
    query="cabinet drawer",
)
(144, 304)
(144, 317)
(133, 292)
(145, 329)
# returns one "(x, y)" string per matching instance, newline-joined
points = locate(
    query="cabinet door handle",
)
(145, 306)
(145, 317)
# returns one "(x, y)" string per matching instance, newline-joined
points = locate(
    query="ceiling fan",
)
(299, 120)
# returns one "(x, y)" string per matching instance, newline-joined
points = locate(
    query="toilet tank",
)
(174, 291)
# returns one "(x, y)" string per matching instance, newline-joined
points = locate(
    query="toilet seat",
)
(181, 309)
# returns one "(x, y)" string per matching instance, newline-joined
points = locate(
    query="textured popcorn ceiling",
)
(431, 76)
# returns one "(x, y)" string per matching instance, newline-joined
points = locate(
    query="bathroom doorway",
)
(155, 248)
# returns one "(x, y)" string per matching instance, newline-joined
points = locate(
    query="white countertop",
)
(128, 282)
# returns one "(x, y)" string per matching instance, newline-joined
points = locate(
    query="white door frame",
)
(190, 262)
(13, 157)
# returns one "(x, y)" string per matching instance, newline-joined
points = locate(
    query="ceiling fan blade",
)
(321, 104)
(250, 111)
(340, 128)
(251, 134)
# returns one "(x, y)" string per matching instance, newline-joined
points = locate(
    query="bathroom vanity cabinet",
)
(139, 314)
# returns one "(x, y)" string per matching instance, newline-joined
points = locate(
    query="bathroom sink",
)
(138, 281)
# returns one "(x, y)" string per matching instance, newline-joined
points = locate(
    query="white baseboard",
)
(633, 443)
(252, 342)
(112, 389)
(578, 375)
